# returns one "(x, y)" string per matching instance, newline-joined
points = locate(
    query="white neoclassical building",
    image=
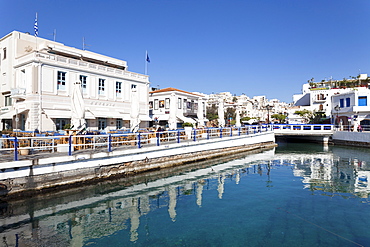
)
(171, 107)
(36, 84)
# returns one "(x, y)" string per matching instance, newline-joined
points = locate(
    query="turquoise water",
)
(296, 195)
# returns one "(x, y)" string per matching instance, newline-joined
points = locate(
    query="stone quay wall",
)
(26, 178)
(357, 139)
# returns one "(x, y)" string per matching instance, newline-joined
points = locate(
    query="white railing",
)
(303, 128)
(21, 142)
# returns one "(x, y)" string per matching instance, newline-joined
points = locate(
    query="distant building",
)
(317, 96)
(352, 108)
(36, 79)
(183, 106)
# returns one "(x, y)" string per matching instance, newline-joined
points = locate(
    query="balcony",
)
(18, 93)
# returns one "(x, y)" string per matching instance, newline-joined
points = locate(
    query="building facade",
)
(36, 84)
(171, 105)
(351, 109)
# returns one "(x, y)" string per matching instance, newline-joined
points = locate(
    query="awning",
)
(57, 113)
(186, 119)
(107, 114)
(8, 115)
(145, 118)
(89, 115)
(161, 117)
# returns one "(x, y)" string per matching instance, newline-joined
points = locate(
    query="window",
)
(118, 88)
(348, 102)
(155, 104)
(179, 103)
(341, 103)
(161, 104)
(150, 104)
(61, 80)
(4, 53)
(60, 123)
(167, 103)
(83, 82)
(8, 100)
(119, 123)
(133, 86)
(102, 123)
(101, 86)
(362, 100)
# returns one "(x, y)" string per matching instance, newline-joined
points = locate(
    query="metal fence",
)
(26, 145)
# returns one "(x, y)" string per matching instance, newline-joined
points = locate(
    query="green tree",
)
(212, 112)
(306, 114)
(280, 117)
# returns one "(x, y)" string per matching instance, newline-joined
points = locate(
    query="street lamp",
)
(337, 108)
(268, 108)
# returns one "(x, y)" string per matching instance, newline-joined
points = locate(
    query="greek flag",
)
(36, 28)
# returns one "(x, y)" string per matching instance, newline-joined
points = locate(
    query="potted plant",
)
(188, 128)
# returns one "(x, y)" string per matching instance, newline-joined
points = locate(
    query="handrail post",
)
(207, 134)
(220, 132)
(109, 143)
(178, 136)
(15, 148)
(70, 145)
(231, 131)
(195, 135)
(239, 131)
(157, 134)
(138, 140)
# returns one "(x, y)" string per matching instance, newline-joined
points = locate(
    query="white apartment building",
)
(352, 108)
(179, 105)
(37, 77)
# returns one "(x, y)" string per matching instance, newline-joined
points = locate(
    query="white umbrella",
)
(172, 121)
(237, 119)
(200, 113)
(78, 121)
(134, 114)
(221, 117)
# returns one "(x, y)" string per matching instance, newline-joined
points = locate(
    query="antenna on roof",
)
(84, 44)
(54, 34)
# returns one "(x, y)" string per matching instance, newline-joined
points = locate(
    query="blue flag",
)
(147, 58)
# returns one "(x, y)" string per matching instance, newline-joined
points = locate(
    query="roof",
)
(170, 89)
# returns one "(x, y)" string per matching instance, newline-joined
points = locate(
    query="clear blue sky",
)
(259, 47)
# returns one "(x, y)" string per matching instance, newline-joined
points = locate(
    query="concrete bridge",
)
(314, 132)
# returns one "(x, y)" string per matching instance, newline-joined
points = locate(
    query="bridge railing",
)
(303, 127)
(15, 145)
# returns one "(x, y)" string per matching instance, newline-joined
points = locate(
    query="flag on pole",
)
(36, 28)
(147, 57)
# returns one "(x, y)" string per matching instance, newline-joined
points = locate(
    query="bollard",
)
(70, 145)
(138, 141)
(109, 143)
(15, 148)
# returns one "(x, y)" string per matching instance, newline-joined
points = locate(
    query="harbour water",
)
(295, 195)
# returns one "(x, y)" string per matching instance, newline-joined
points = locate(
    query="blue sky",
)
(260, 47)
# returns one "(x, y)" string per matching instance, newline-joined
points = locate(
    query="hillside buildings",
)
(36, 83)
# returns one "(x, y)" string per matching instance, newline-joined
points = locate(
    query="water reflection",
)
(79, 217)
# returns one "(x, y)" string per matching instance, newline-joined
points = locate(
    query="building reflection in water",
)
(73, 223)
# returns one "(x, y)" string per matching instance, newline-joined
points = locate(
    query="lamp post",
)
(268, 107)
(337, 108)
